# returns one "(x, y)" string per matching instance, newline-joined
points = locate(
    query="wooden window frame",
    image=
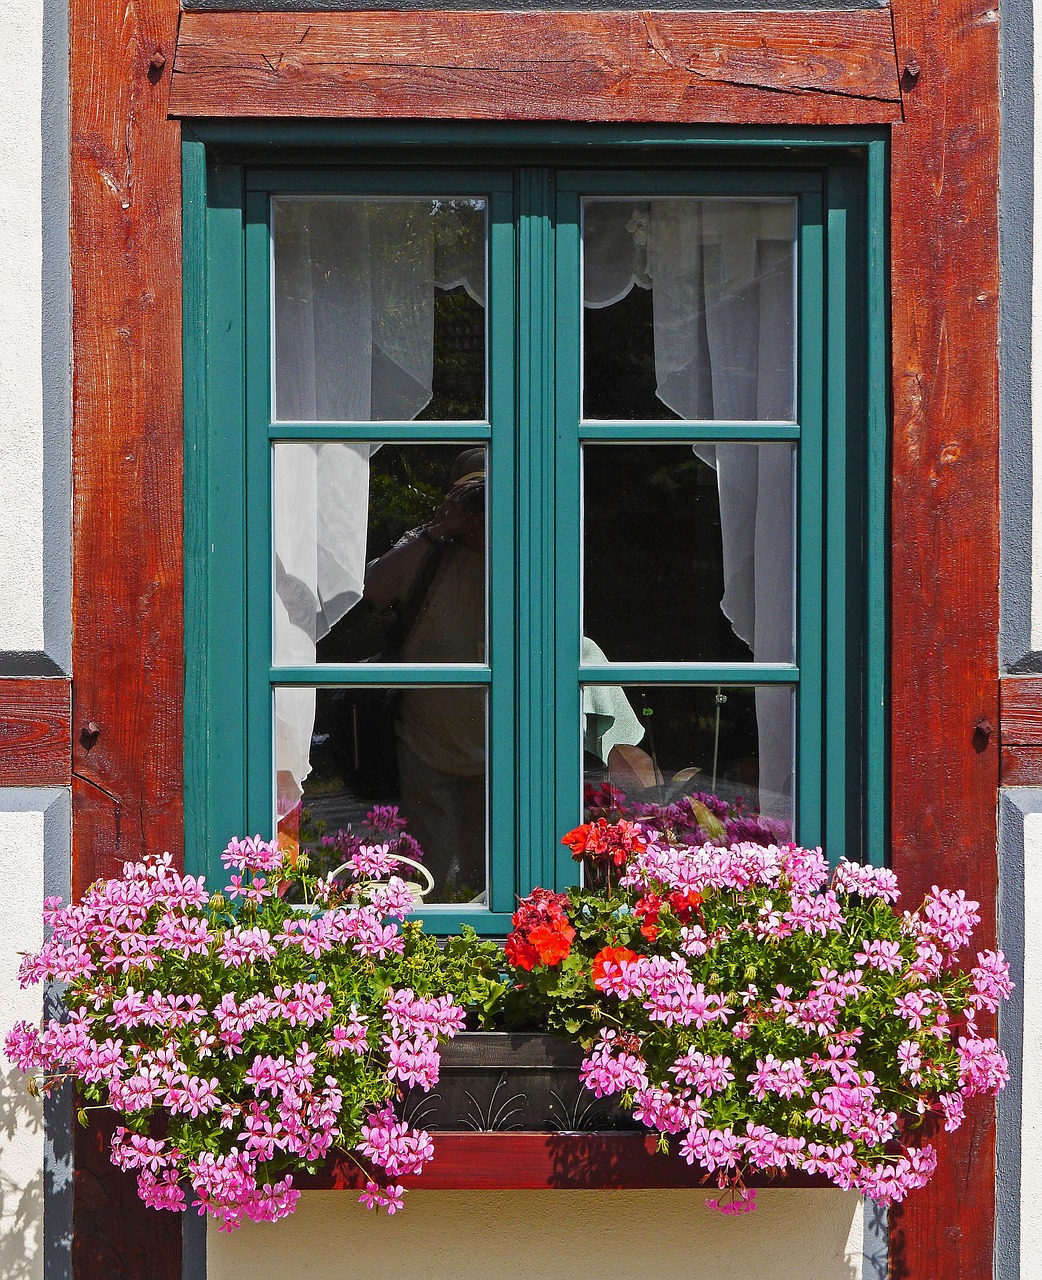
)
(128, 641)
(837, 675)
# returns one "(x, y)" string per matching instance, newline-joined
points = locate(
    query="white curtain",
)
(355, 285)
(721, 274)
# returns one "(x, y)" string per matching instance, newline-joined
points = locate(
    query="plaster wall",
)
(552, 1235)
(21, 326)
(21, 1117)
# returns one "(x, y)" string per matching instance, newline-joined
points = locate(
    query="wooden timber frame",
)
(930, 73)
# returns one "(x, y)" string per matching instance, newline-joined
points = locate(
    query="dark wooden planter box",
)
(494, 1081)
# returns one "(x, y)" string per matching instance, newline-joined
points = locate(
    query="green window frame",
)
(534, 179)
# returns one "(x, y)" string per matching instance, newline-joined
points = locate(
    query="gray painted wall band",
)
(1016, 213)
(56, 351)
(1013, 805)
(595, 6)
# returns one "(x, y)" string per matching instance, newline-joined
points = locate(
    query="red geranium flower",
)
(552, 942)
(604, 841)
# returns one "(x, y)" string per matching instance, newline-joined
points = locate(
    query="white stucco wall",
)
(22, 827)
(552, 1235)
(21, 1117)
(21, 396)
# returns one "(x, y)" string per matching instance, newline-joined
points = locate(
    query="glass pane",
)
(379, 553)
(699, 541)
(654, 748)
(379, 309)
(346, 757)
(689, 309)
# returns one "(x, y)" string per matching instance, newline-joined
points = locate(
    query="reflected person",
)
(434, 578)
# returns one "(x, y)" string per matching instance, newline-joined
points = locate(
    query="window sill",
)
(543, 1161)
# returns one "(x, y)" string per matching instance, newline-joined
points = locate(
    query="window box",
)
(498, 1082)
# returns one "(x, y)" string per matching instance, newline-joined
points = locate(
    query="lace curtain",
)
(722, 303)
(354, 321)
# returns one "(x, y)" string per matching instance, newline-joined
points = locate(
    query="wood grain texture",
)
(1021, 710)
(771, 68)
(945, 558)
(1020, 766)
(539, 1161)
(127, 571)
(35, 734)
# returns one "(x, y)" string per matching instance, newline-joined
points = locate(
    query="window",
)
(524, 480)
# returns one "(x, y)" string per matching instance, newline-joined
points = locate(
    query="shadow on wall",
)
(21, 1185)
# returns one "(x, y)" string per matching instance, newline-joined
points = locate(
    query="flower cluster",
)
(541, 934)
(260, 1033)
(769, 1011)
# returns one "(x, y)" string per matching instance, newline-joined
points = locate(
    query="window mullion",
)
(567, 808)
(810, 748)
(536, 522)
(260, 765)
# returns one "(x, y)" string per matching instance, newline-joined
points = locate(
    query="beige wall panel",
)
(551, 1235)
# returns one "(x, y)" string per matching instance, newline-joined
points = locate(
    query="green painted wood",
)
(503, 552)
(538, 708)
(685, 432)
(260, 751)
(413, 432)
(732, 673)
(842, 673)
(382, 673)
(535, 438)
(372, 183)
(877, 531)
(567, 480)
(641, 184)
(223, 710)
(597, 139)
(196, 530)
(810, 522)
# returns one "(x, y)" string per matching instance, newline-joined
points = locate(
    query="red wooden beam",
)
(945, 559)
(128, 652)
(765, 68)
(1021, 711)
(35, 733)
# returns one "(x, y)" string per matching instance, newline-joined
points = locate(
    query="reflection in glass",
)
(688, 309)
(699, 542)
(422, 750)
(379, 553)
(668, 742)
(379, 309)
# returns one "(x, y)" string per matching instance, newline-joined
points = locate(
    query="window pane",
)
(379, 309)
(379, 553)
(688, 309)
(341, 752)
(654, 745)
(688, 552)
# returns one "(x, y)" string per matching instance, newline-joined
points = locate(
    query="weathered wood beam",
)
(772, 68)
(35, 734)
(945, 547)
(128, 650)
